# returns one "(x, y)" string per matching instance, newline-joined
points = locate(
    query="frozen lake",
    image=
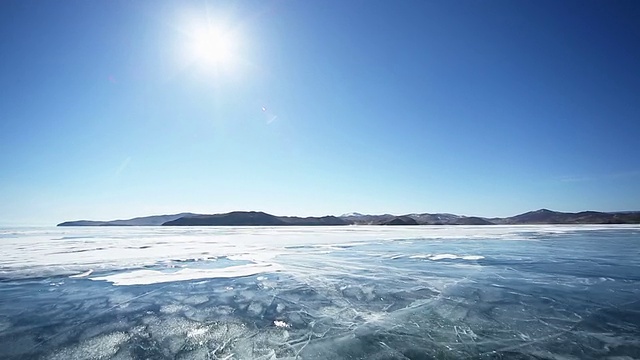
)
(354, 292)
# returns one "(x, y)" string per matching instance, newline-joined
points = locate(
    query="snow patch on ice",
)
(281, 324)
(444, 257)
(473, 257)
(437, 257)
(84, 274)
(146, 277)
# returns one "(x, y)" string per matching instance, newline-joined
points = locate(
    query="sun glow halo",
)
(212, 47)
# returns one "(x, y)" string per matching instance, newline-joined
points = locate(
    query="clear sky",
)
(115, 109)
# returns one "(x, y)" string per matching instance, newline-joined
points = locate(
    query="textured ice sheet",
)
(29, 252)
(349, 293)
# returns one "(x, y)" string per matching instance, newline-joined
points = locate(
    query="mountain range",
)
(258, 218)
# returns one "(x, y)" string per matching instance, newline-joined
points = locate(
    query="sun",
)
(213, 48)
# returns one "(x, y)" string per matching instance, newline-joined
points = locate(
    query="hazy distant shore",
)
(255, 218)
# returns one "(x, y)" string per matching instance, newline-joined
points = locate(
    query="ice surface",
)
(29, 252)
(99, 347)
(531, 292)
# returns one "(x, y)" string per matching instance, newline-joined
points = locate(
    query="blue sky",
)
(115, 109)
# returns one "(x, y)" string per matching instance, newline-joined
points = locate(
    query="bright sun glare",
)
(212, 48)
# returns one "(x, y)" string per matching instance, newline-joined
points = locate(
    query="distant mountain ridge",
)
(155, 220)
(258, 218)
(545, 216)
(253, 218)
